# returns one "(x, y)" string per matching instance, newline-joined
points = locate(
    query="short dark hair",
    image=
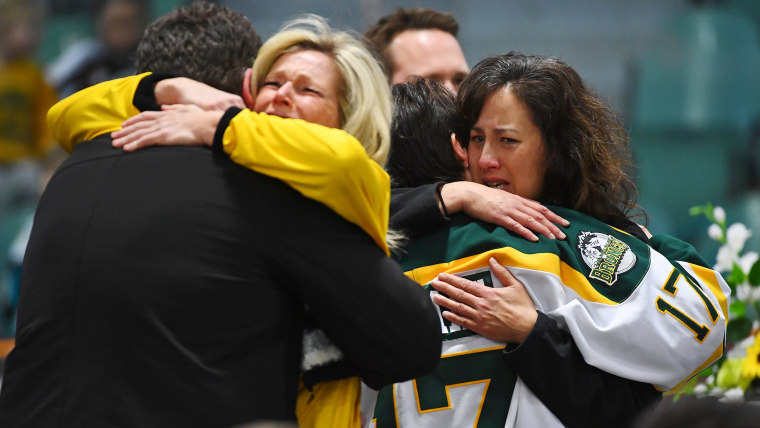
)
(424, 117)
(380, 35)
(586, 144)
(205, 42)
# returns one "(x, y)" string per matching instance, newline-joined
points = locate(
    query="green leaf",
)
(697, 210)
(705, 210)
(738, 329)
(738, 308)
(736, 276)
(754, 274)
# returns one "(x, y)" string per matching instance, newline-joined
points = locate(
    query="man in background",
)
(421, 42)
(118, 27)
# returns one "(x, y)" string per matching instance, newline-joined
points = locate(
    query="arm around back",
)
(324, 164)
(384, 323)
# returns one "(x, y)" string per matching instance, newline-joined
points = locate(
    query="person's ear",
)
(460, 151)
(247, 90)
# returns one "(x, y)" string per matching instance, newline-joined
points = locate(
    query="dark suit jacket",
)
(166, 288)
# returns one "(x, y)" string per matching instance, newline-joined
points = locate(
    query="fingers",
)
(458, 308)
(537, 222)
(503, 274)
(551, 216)
(459, 320)
(135, 138)
(515, 226)
(542, 220)
(144, 116)
(139, 131)
(459, 288)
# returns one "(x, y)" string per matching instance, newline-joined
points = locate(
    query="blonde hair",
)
(364, 98)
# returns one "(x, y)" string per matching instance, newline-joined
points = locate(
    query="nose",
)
(488, 157)
(283, 94)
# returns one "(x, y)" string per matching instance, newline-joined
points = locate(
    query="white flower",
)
(749, 293)
(736, 236)
(744, 292)
(733, 395)
(746, 261)
(720, 214)
(700, 389)
(725, 259)
(715, 232)
(739, 350)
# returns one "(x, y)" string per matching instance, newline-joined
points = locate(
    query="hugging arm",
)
(325, 164)
(383, 322)
(421, 210)
(580, 395)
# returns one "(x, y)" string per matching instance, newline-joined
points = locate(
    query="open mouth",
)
(496, 185)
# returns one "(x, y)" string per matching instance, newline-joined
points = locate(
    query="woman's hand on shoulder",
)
(516, 214)
(174, 125)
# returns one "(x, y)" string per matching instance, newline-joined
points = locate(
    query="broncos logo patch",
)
(605, 255)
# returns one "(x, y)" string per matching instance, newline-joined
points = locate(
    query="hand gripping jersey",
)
(653, 316)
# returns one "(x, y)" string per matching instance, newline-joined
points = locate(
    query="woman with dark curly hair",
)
(535, 113)
(578, 331)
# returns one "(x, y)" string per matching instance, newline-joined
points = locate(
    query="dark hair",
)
(380, 35)
(586, 144)
(202, 41)
(424, 117)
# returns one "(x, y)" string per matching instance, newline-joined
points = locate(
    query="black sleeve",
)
(145, 97)
(580, 395)
(218, 143)
(414, 210)
(384, 323)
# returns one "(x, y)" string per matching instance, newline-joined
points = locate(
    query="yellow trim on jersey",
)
(708, 276)
(94, 111)
(545, 262)
(713, 358)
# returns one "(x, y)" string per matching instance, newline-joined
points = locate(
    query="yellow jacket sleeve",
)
(93, 111)
(324, 164)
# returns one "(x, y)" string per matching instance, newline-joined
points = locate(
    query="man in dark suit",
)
(167, 287)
